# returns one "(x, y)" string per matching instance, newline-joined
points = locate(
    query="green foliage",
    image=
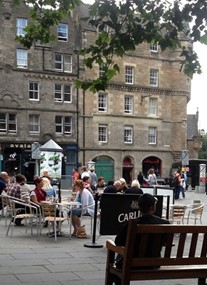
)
(130, 22)
(203, 151)
(44, 14)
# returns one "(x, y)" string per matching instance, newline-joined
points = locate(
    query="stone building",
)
(141, 120)
(194, 136)
(138, 123)
(38, 99)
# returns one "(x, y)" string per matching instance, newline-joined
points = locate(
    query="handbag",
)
(81, 232)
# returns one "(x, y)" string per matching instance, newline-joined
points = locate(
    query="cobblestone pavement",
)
(26, 260)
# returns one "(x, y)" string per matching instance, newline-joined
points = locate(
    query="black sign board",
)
(116, 209)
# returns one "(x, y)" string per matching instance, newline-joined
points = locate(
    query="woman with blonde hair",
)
(152, 179)
(135, 188)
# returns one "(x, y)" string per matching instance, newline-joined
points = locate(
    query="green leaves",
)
(44, 14)
(121, 27)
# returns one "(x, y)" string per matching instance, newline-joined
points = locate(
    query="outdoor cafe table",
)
(69, 206)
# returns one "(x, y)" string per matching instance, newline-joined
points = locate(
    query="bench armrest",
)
(110, 245)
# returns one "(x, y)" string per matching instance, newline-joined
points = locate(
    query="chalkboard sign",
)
(116, 209)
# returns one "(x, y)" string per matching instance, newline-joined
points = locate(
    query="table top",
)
(69, 203)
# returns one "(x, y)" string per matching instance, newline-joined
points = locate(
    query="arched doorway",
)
(104, 166)
(127, 168)
(152, 162)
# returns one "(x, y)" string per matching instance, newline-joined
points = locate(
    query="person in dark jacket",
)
(135, 188)
(113, 188)
(147, 206)
(140, 178)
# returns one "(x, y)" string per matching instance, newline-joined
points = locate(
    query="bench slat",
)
(175, 261)
(192, 249)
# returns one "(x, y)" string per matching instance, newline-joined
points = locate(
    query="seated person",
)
(135, 188)
(38, 194)
(87, 205)
(147, 206)
(86, 183)
(116, 187)
(100, 185)
(124, 186)
(15, 190)
(48, 187)
(25, 188)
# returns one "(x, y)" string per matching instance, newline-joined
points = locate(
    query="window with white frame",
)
(63, 125)
(34, 91)
(128, 134)
(63, 62)
(101, 70)
(152, 135)
(154, 47)
(103, 133)
(102, 102)
(128, 104)
(21, 24)
(8, 123)
(129, 74)
(21, 58)
(153, 104)
(154, 77)
(63, 93)
(63, 32)
(34, 124)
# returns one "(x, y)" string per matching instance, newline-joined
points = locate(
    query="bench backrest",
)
(184, 245)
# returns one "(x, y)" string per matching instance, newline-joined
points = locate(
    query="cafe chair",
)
(177, 213)
(49, 212)
(30, 217)
(6, 208)
(194, 213)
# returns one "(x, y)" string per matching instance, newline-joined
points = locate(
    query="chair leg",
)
(9, 226)
(201, 281)
(55, 231)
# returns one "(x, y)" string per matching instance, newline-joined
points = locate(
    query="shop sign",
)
(20, 145)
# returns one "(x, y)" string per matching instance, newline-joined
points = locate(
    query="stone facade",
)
(114, 158)
(172, 94)
(14, 94)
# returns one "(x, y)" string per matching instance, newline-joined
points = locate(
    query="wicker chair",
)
(194, 212)
(49, 212)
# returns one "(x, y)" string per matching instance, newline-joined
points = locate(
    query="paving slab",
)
(28, 261)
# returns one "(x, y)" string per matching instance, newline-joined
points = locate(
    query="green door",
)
(104, 167)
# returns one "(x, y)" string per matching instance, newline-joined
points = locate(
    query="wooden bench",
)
(182, 257)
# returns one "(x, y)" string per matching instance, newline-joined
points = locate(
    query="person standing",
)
(76, 175)
(84, 172)
(177, 181)
(46, 174)
(140, 178)
(93, 178)
(152, 179)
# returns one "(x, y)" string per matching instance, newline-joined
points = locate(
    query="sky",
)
(199, 89)
(198, 86)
